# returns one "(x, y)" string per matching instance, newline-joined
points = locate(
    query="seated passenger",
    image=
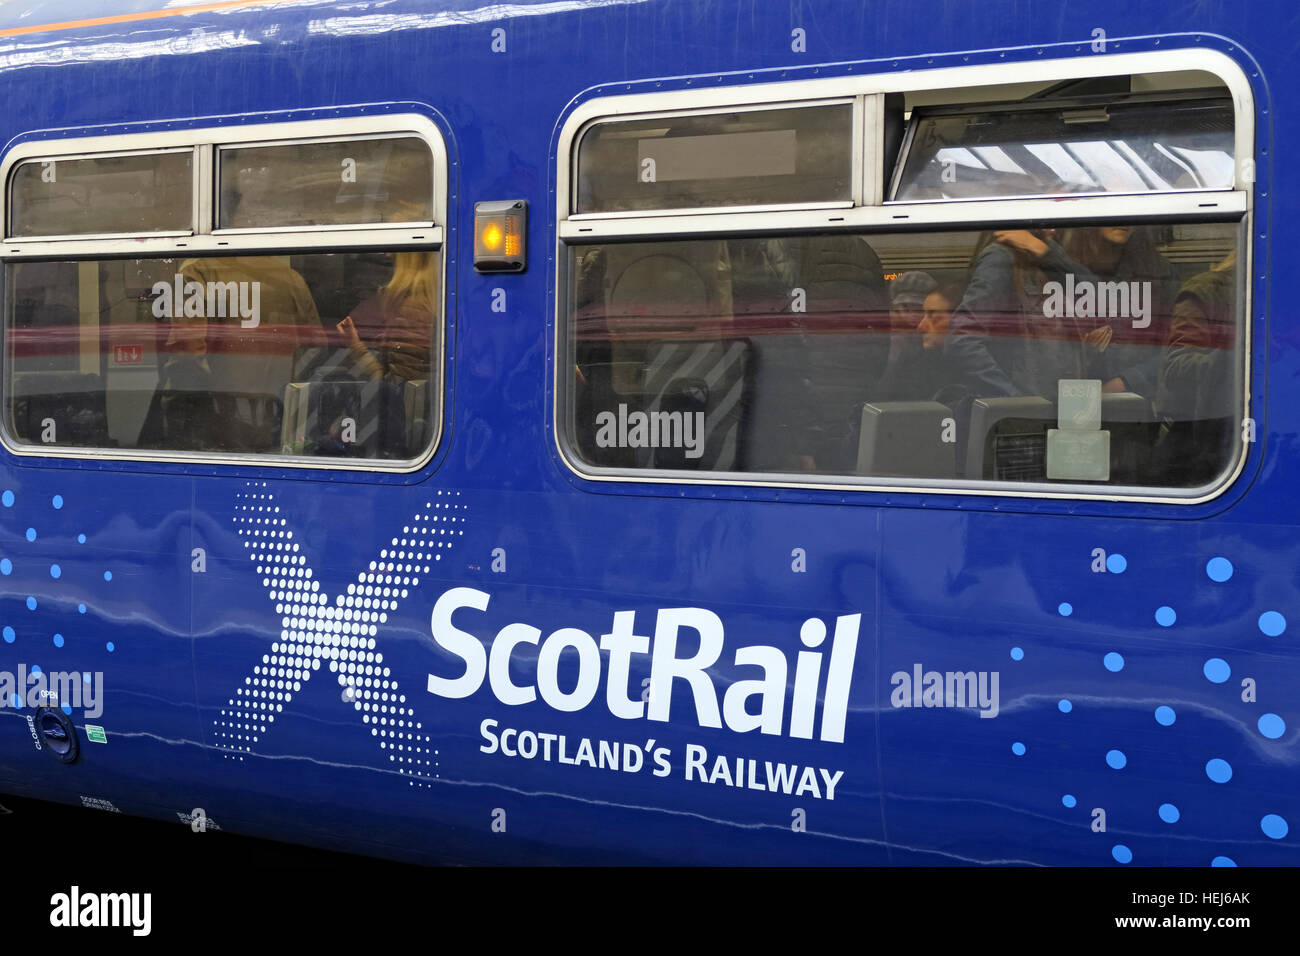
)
(390, 334)
(1196, 395)
(229, 359)
(1124, 349)
(916, 370)
(1001, 340)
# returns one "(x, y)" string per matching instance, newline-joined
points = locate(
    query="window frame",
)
(206, 240)
(876, 214)
(9, 170)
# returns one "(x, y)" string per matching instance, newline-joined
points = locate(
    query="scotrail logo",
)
(36, 688)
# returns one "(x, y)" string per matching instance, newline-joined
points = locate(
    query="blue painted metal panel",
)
(948, 584)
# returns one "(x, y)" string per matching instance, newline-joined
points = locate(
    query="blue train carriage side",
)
(653, 430)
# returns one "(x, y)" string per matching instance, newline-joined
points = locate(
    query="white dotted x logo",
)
(342, 632)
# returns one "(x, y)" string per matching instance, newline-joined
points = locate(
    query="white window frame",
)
(871, 212)
(205, 238)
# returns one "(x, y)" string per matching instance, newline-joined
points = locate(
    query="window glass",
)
(325, 184)
(107, 194)
(796, 155)
(1103, 354)
(1123, 148)
(328, 355)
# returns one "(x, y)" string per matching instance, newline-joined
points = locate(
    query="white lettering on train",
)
(771, 692)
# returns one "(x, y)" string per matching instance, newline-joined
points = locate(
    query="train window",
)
(1138, 147)
(294, 316)
(739, 158)
(120, 194)
(347, 182)
(294, 355)
(913, 307)
(1098, 353)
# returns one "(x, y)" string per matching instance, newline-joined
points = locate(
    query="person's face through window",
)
(934, 321)
(903, 317)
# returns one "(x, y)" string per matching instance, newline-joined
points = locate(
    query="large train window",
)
(956, 330)
(299, 321)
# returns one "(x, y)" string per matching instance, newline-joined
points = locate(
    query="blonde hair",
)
(412, 283)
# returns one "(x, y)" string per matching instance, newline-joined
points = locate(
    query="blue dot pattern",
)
(1274, 827)
(1218, 770)
(30, 571)
(1272, 726)
(1272, 623)
(1018, 749)
(1017, 654)
(1219, 569)
(1216, 670)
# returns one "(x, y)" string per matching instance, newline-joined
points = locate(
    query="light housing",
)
(501, 236)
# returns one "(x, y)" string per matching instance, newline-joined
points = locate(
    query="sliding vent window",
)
(355, 182)
(747, 158)
(107, 195)
(1013, 151)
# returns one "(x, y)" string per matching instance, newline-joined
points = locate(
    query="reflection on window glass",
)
(1103, 354)
(725, 159)
(315, 355)
(327, 184)
(109, 194)
(1123, 148)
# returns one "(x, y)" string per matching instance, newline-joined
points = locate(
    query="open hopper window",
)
(940, 321)
(269, 294)
(1085, 147)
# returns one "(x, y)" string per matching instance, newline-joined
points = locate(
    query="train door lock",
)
(57, 734)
